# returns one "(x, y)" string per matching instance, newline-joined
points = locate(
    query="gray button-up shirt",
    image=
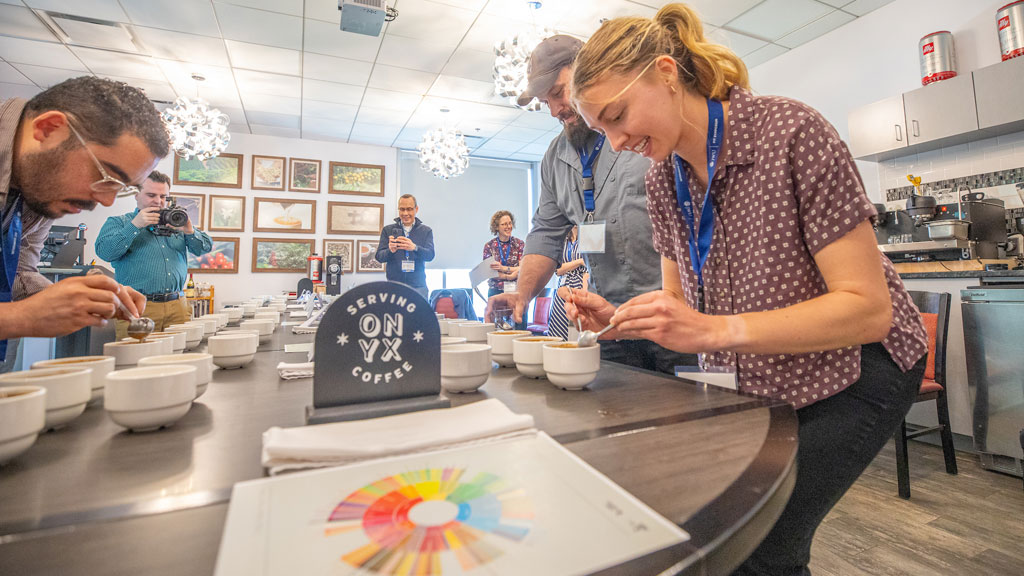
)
(629, 265)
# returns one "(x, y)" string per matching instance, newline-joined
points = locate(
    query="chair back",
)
(934, 307)
(445, 305)
(541, 309)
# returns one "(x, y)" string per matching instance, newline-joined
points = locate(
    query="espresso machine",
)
(973, 227)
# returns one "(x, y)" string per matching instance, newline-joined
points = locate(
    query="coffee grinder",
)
(334, 272)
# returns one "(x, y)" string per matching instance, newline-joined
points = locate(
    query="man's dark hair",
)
(157, 176)
(403, 196)
(102, 110)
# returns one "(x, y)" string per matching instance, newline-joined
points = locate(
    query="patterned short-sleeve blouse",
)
(785, 188)
(508, 253)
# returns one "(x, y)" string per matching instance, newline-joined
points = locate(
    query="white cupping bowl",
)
(476, 332)
(100, 365)
(234, 314)
(571, 368)
(67, 390)
(232, 349)
(248, 310)
(202, 362)
(166, 343)
(528, 354)
(22, 416)
(501, 344)
(272, 315)
(465, 367)
(449, 340)
(178, 339)
(128, 353)
(209, 326)
(193, 333)
(149, 397)
(264, 327)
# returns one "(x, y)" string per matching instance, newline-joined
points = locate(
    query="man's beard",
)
(577, 131)
(39, 182)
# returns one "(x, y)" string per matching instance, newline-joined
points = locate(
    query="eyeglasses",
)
(108, 183)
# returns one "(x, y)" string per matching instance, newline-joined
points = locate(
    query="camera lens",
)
(177, 217)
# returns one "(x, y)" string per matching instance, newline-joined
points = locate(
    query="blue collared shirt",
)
(148, 263)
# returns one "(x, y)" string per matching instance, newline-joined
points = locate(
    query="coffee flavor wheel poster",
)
(522, 506)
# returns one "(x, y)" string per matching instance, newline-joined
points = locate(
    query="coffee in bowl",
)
(569, 366)
(501, 345)
(528, 354)
(68, 389)
(100, 366)
(568, 345)
(22, 416)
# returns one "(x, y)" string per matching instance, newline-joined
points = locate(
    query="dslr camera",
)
(171, 217)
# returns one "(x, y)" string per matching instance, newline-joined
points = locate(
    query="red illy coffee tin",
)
(938, 58)
(1010, 22)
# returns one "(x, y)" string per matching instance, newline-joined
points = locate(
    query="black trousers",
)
(645, 354)
(839, 437)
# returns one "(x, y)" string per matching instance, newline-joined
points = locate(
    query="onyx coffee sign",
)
(378, 341)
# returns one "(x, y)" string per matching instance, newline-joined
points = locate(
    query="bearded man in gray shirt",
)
(610, 194)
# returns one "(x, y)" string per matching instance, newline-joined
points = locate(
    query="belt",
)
(164, 297)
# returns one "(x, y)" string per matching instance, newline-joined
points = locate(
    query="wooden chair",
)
(541, 312)
(934, 309)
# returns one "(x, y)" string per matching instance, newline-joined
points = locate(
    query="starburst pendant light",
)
(195, 128)
(511, 57)
(443, 152)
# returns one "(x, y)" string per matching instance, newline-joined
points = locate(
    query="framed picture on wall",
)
(367, 260)
(193, 204)
(358, 179)
(305, 175)
(227, 214)
(222, 259)
(355, 218)
(277, 215)
(280, 254)
(268, 172)
(224, 171)
(343, 248)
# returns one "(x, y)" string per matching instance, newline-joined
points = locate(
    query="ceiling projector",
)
(362, 16)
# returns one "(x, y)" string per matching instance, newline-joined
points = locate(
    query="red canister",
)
(938, 58)
(1010, 22)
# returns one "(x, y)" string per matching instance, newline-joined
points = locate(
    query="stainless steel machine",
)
(974, 227)
(993, 317)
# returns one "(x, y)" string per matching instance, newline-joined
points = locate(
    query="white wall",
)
(875, 57)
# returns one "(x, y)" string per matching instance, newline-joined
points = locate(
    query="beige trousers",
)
(163, 314)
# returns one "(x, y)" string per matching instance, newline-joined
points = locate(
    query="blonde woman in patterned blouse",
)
(793, 293)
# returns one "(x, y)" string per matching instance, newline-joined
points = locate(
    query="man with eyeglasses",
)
(150, 258)
(77, 144)
(406, 246)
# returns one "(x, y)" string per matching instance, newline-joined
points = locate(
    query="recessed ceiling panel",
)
(324, 38)
(388, 100)
(38, 53)
(9, 75)
(331, 69)
(714, 12)
(332, 92)
(471, 64)
(259, 26)
(46, 77)
(251, 82)
(291, 7)
(264, 58)
(18, 90)
(821, 26)
(401, 79)
(192, 16)
(426, 20)
(773, 19)
(98, 9)
(105, 62)
(20, 22)
(424, 55)
(181, 46)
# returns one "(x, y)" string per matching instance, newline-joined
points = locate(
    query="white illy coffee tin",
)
(1010, 22)
(938, 57)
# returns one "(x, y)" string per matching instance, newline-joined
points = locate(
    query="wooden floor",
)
(971, 523)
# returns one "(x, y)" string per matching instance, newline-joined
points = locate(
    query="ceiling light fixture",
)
(443, 152)
(511, 57)
(195, 128)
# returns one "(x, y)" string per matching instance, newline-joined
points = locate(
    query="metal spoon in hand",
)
(589, 337)
(138, 328)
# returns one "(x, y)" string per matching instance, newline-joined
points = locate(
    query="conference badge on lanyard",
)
(590, 234)
(408, 265)
(699, 240)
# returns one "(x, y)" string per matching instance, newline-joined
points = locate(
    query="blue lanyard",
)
(10, 244)
(401, 232)
(700, 240)
(503, 254)
(587, 160)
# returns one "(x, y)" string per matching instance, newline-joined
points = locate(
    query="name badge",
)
(408, 265)
(590, 237)
(509, 286)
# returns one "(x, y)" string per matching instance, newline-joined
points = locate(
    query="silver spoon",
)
(138, 328)
(579, 323)
(589, 337)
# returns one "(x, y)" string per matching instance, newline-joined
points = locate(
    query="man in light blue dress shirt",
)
(150, 258)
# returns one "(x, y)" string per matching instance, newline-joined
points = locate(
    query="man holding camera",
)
(148, 249)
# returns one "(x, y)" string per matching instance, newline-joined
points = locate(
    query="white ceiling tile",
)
(260, 130)
(570, 16)
(741, 44)
(329, 110)
(264, 58)
(489, 29)
(38, 53)
(520, 134)
(47, 77)
(239, 129)
(333, 69)
(406, 144)
(371, 141)
(428, 56)
(259, 26)
(836, 3)
(331, 92)
(388, 100)
(773, 19)
(325, 137)
(218, 88)
(236, 115)
(827, 23)
(426, 20)
(17, 91)
(108, 36)
(464, 89)
(468, 112)
(181, 46)
(252, 82)
(472, 64)
(541, 119)
(535, 148)
(192, 16)
(502, 146)
(273, 119)
(377, 132)
(8, 75)
(862, 7)
(413, 133)
(153, 90)
(324, 38)
(401, 79)
(105, 62)
(20, 22)
(292, 7)
(98, 9)
(762, 55)
(525, 157)
(714, 12)
(337, 127)
(381, 116)
(268, 103)
(326, 10)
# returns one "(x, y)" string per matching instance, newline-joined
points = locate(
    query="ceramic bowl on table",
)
(202, 362)
(100, 366)
(179, 340)
(465, 367)
(68, 390)
(166, 344)
(444, 326)
(22, 417)
(528, 354)
(272, 315)
(455, 325)
(234, 314)
(501, 345)
(248, 310)
(570, 366)
(476, 332)
(128, 352)
(264, 327)
(150, 397)
(232, 350)
(193, 333)
(209, 325)
(222, 319)
(449, 340)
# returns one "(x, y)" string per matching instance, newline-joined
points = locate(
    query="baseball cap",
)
(546, 62)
